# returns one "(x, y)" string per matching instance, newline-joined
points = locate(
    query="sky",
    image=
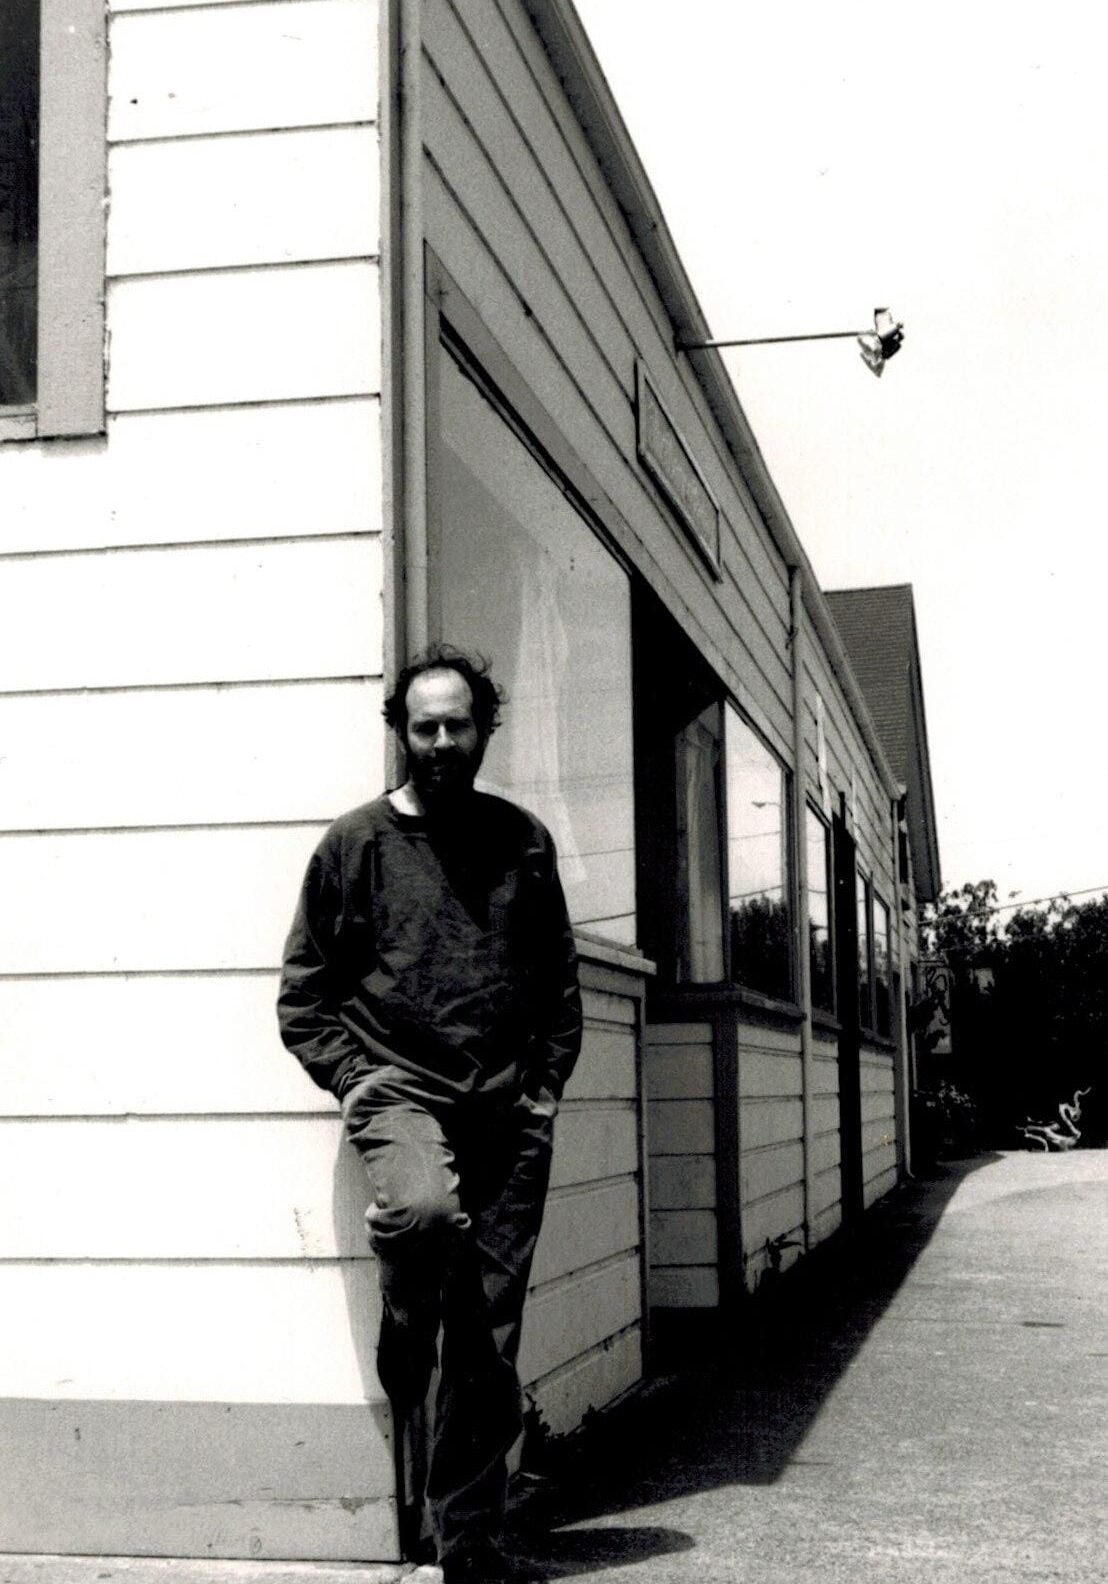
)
(816, 160)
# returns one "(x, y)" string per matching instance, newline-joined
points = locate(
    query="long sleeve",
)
(312, 978)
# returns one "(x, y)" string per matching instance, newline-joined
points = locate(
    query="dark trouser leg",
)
(505, 1167)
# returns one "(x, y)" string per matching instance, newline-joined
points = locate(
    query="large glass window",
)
(19, 140)
(757, 847)
(882, 1004)
(522, 578)
(822, 967)
(865, 959)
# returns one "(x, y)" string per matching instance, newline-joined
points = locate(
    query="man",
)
(430, 982)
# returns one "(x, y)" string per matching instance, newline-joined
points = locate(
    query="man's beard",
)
(443, 780)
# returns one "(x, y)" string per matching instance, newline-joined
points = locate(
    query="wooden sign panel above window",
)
(668, 460)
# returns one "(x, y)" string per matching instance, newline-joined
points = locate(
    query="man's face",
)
(444, 747)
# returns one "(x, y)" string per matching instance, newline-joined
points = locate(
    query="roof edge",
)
(567, 45)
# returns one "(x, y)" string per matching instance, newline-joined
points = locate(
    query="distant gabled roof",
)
(878, 630)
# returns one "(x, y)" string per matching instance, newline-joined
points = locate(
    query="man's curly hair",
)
(472, 668)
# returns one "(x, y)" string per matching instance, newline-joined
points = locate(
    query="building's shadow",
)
(735, 1412)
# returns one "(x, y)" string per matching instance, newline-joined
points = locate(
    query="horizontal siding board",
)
(683, 1237)
(181, 72)
(177, 477)
(190, 1333)
(767, 1171)
(592, 1380)
(682, 1182)
(827, 1222)
(594, 1141)
(681, 1127)
(570, 1318)
(826, 1188)
(586, 1226)
(189, 756)
(770, 1122)
(150, 900)
(260, 334)
(90, 1046)
(263, 198)
(763, 1037)
(226, 613)
(825, 1113)
(197, 1479)
(662, 1034)
(679, 1072)
(270, 1188)
(606, 1068)
(684, 1287)
(827, 1151)
(777, 1215)
(605, 1006)
(763, 1074)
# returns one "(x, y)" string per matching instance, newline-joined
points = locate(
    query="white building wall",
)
(191, 664)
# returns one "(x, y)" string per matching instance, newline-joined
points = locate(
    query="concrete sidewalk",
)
(926, 1405)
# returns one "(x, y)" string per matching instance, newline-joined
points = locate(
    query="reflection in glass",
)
(19, 123)
(523, 580)
(819, 912)
(865, 989)
(757, 835)
(698, 849)
(882, 1003)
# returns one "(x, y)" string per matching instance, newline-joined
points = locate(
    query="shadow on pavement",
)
(740, 1410)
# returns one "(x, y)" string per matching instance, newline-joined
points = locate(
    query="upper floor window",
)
(19, 145)
(757, 862)
(52, 183)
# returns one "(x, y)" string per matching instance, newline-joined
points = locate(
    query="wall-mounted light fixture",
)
(877, 345)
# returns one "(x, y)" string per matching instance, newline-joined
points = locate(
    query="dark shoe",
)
(482, 1563)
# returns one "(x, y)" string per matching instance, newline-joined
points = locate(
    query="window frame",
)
(733, 981)
(72, 178)
(864, 906)
(816, 813)
(877, 901)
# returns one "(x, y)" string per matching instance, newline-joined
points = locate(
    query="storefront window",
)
(819, 912)
(757, 844)
(522, 578)
(865, 960)
(882, 1004)
(19, 137)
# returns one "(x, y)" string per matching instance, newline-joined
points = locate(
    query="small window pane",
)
(699, 858)
(757, 832)
(523, 580)
(819, 913)
(865, 987)
(19, 132)
(882, 1003)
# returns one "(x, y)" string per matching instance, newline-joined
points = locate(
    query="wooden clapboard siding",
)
(288, 63)
(191, 669)
(190, 1332)
(515, 207)
(265, 197)
(188, 756)
(290, 609)
(279, 333)
(254, 1479)
(598, 1376)
(771, 1130)
(124, 1044)
(251, 472)
(826, 1207)
(680, 1087)
(879, 1157)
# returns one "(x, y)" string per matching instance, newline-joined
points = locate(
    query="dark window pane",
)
(757, 833)
(882, 1003)
(699, 888)
(19, 110)
(819, 913)
(865, 986)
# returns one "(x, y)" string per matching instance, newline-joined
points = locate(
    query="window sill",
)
(591, 948)
(707, 997)
(881, 1042)
(826, 1022)
(18, 423)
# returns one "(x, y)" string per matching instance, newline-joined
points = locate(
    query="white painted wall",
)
(191, 639)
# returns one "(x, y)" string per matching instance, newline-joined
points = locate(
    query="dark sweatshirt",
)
(442, 947)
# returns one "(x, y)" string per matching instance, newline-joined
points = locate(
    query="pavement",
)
(926, 1403)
